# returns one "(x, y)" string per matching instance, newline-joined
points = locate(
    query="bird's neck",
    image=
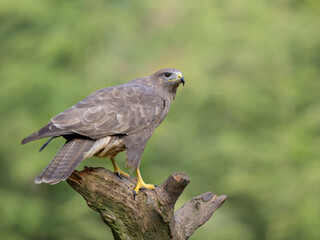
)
(172, 92)
(169, 92)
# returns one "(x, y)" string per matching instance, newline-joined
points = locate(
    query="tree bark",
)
(151, 214)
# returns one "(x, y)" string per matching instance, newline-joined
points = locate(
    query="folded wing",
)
(123, 109)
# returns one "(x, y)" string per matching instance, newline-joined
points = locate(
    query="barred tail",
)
(64, 163)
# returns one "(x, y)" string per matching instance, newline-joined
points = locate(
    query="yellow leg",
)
(141, 184)
(117, 170)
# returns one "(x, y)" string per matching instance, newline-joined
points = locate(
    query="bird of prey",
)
(109, 121)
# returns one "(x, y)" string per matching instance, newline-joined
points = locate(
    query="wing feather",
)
(122, 109)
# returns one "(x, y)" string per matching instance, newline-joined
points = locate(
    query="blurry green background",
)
(247, 123)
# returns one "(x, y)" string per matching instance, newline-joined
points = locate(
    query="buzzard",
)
(109, 121)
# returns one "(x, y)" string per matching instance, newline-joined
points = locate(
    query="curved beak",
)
(182, 80)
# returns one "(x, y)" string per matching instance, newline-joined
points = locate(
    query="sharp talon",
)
(134, 195)
(118, 174)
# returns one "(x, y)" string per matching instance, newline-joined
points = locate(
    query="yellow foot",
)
(141, 184)
(118, 171)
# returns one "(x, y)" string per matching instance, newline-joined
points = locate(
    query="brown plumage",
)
(109, 121)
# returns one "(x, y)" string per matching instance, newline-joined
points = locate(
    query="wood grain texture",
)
(151, 215)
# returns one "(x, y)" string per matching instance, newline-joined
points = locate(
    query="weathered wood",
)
(151, 215)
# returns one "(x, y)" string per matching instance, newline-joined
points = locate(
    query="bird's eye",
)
(167, 74)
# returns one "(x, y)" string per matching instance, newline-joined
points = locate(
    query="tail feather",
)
(64, 163)
(49, 130)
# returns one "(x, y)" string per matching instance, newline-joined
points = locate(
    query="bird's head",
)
(169, 77)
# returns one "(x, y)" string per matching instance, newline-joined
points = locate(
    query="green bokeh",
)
(247, 123)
